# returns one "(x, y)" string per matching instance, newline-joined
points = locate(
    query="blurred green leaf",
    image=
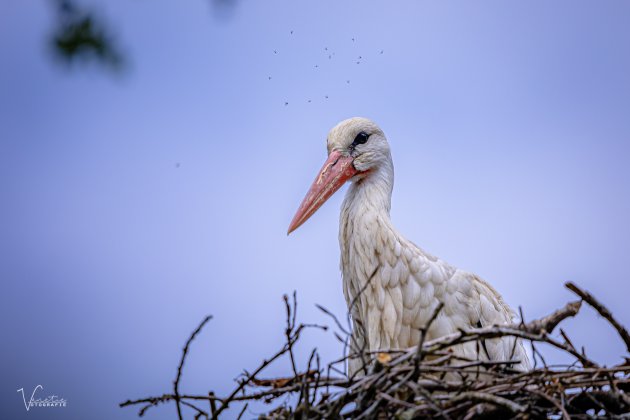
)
(81, 35)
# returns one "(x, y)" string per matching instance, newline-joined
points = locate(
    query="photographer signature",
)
(50, 401)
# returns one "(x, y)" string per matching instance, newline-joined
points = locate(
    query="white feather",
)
(408, 282)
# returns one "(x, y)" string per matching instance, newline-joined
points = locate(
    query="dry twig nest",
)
(430, 381)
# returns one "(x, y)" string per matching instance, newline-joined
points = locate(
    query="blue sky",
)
(135, 204)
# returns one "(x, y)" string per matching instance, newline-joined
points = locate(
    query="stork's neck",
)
(373, 192)
(365, 212)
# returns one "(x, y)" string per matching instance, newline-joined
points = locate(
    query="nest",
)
(429, 380)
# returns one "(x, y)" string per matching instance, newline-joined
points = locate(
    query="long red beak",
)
(336, 171)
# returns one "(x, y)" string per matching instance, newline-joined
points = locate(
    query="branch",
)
(181, 364)
(549, 322)
(489, 398)
(603, 311)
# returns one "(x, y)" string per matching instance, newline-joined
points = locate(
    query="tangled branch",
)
(430, 380)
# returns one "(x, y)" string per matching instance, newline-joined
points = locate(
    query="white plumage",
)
(391, 285)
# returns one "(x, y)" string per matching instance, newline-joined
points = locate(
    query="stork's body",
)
(391, 285)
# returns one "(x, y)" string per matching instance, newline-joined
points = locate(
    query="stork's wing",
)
(409, 283)
(392, 294)
(492, 310)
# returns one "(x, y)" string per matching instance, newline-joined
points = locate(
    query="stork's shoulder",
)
(452, 285)
(424, 266)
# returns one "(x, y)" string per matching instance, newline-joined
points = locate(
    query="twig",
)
(549, 322)
(213, 405)
(489, 398)
(289, 329)
(242, 411)
(335, 319)
(423, 333)
(603, 311)
(181, 364)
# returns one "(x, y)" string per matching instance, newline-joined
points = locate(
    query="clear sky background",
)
(134, 204)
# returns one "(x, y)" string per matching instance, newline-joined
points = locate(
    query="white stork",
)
(391, 285)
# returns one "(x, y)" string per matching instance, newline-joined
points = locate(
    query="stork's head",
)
(356, 148)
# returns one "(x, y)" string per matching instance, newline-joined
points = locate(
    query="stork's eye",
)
(361, 138)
